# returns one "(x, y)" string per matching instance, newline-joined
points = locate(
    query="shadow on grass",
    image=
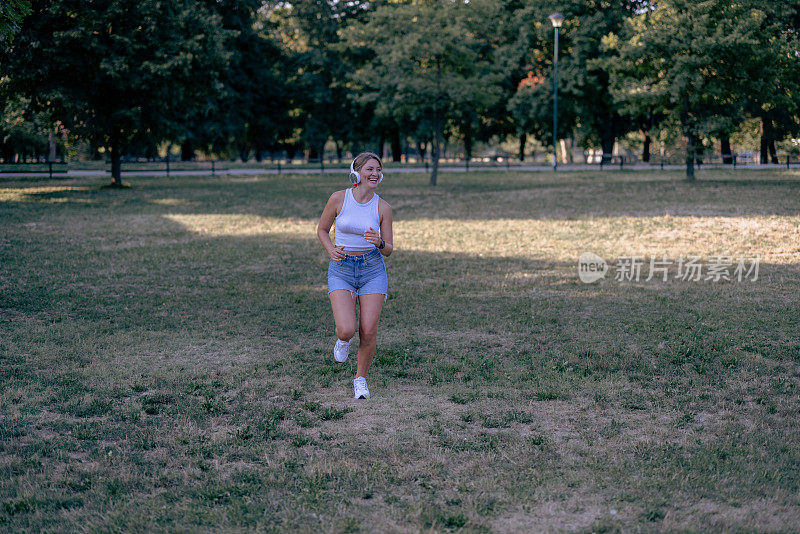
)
(197, 371)
(443, 306)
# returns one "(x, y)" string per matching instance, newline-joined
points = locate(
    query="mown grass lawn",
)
(165, 358)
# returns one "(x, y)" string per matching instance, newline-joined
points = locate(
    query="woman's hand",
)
(373, 236)
(337, 253)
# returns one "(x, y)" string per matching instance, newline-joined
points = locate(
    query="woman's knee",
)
(345, 333)
(367, 334)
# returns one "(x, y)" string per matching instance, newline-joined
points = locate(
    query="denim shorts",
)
(362, 275)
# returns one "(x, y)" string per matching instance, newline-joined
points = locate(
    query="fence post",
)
(787, 160)
(213, 169)
(662, 164)
(321, 164)
(167, 163)
(50, 166)
(466, 164)
(279, 167)
(734, 161)
(621, 162)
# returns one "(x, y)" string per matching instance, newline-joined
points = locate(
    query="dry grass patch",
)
(166, 358)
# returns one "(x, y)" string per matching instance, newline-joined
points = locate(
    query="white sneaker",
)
(341, 350)
(360, 388)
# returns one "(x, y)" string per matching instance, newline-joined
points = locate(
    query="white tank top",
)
(354, 220)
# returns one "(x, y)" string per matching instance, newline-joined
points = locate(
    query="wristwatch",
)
(382, 245)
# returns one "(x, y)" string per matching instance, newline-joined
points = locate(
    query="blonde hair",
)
(363, 158)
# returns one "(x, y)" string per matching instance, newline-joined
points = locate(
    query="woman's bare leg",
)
(368, 330)
(343, 303)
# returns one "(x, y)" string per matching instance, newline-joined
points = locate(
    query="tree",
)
(117, 72)
(21, 135)
(585, 101)
(768, 57)
(427, 66)
(682, 59)
(318, 70)
(11, 14)
(250, 112)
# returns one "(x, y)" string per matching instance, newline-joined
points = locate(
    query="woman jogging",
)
(356, 270)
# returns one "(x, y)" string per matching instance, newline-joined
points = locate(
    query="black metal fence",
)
(168, 166)
(734, 161)
(49, 167)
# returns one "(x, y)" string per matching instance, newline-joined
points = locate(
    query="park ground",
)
(165, 358)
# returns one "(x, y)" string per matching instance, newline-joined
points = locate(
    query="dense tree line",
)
(251, 77)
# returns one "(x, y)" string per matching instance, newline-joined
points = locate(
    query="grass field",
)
(165, 358)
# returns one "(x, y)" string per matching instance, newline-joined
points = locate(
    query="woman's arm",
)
(386, 228)
(326, 223)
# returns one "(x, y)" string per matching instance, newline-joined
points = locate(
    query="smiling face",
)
(370, 173)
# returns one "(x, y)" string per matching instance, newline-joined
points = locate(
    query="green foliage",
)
(318, 65)
(237, 77)
(706, 64)
(11, 14)
(21, 132)
(249, 111)
(585, 103)
(431, 62)
(119, 73)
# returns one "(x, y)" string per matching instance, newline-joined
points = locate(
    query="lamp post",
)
(556, 19)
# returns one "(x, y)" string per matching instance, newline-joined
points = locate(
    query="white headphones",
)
(355, 176)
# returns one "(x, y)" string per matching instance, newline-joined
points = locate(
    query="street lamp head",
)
(556, 19)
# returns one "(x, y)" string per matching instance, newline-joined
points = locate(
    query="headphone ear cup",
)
(355, 176)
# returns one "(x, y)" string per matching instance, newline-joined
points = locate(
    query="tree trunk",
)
(339, 151)
(607, 136)
(436, 123)
(468, 142)
(422, 148)
(187, 150)
(523, 139)
(690, 139)
(690, 146)
(8, 152)
(607, 143)
(51, 138)
(646, 148)
(116, 163)
(379, 149)
(765, 134)
(397, 148)
(699, 150)
(725, 149)
(564, 157)
(773, 155)
(435, 150)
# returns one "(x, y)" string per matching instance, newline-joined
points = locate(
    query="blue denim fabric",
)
(363, 275)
